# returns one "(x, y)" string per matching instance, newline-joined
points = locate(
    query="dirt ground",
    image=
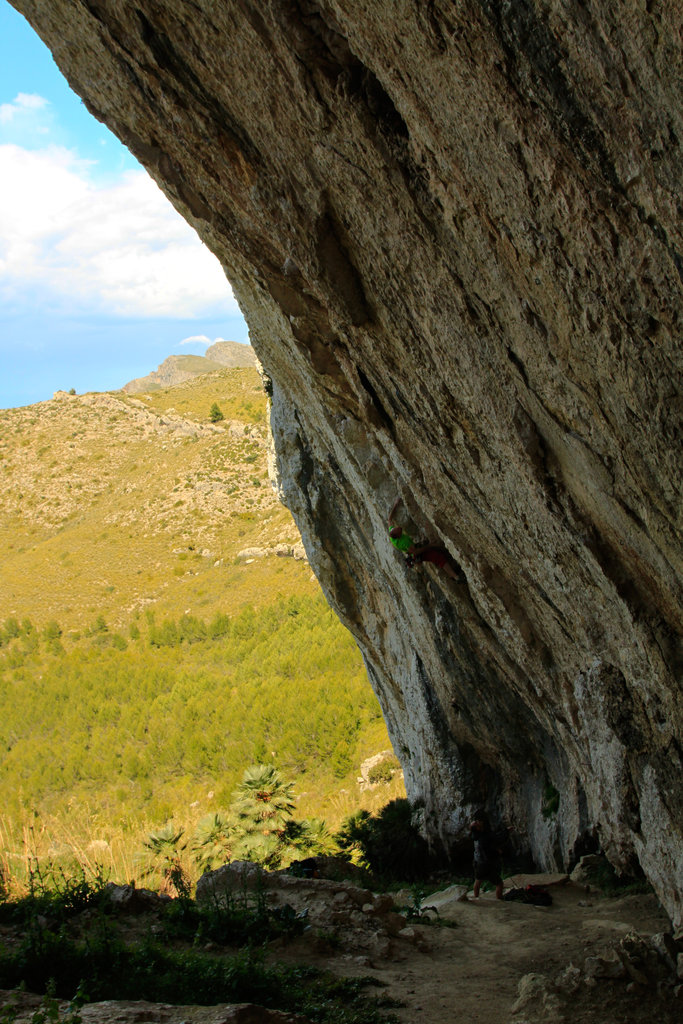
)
(471, 973)
(465, 965)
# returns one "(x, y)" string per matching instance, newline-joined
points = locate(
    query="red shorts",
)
(434, 555)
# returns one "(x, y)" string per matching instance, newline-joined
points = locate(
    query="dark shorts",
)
(488, 873)
(434, 555)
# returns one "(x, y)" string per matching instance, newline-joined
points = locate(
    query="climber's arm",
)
(393, 509)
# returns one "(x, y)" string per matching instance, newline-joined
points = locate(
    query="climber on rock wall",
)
(415, 553)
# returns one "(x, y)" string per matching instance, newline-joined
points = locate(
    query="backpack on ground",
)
(536, 895)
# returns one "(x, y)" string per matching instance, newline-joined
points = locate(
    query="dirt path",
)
(468, 967)
(472, 972)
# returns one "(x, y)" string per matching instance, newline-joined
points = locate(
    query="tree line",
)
(156, 715)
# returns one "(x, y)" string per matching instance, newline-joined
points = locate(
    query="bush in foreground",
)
(52, 959)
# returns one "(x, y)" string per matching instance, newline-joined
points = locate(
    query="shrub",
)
(383, 771)
(215, 414)
(164, 857)
(389, 844)
(54, 894)
(150, 972)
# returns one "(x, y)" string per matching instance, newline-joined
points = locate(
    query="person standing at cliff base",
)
(404, 543)
(487, 856)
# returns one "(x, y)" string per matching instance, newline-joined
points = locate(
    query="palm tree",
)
(262, 811)
(263, 799)
(262, 820)
(213, 840)
(317, 838)
(164, 857)
(259, 847)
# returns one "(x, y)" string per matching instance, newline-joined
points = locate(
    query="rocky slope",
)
(115, 504)
(585, 959)
(231, 353)
(176, 369)
(455, 232)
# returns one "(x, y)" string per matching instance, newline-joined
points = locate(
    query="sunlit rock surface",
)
(454, 228)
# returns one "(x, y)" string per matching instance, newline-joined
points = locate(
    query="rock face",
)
(454, 229)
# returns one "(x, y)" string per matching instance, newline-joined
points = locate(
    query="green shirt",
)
(403, 543)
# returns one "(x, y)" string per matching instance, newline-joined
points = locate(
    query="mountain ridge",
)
(178, 368)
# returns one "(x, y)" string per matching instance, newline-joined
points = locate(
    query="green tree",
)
(12, 629)
(52, 631)
(215, 414)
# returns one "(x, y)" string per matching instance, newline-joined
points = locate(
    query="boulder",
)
(238, 876)
(667, 949)
(544, 880)
(440, 901)
(537, 998)
(132, 900)
(609, 966)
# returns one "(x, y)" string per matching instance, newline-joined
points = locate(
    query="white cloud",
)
(28, 120)
(120, 250)
(22, 103)
(198, 339)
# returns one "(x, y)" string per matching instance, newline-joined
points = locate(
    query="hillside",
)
(113, 504)
(160, 628)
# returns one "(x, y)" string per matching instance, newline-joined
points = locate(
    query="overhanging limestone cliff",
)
(454, 228)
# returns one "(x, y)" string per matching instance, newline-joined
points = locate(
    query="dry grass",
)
(84, 841)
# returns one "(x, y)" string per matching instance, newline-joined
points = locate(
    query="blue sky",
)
(100, 278)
